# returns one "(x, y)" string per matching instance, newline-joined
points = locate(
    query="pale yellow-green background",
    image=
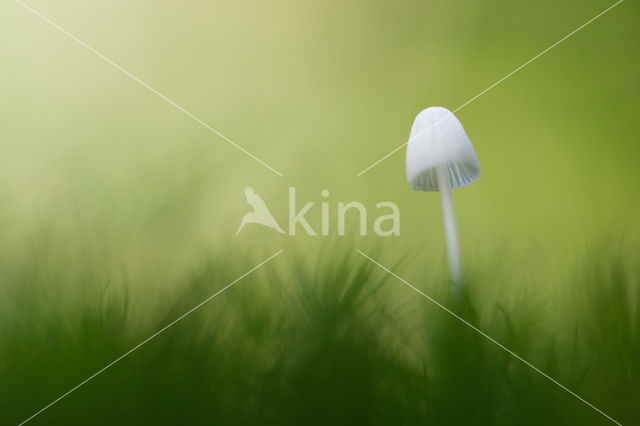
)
(319, 90)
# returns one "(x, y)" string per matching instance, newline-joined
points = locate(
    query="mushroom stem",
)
(450, 231)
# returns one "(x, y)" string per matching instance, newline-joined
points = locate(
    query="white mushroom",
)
(440, 158)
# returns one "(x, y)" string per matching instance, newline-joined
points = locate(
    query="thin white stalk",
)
(450, 229)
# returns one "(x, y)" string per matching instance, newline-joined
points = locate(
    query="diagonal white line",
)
(149, 338)
(142, 83)
(372, 165)
(458, 317)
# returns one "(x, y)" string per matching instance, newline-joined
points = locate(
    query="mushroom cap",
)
(437, 138)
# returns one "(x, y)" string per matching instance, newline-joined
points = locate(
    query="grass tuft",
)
(325, 344)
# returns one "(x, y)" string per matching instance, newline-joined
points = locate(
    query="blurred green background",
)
(319, 90)
(101, 178)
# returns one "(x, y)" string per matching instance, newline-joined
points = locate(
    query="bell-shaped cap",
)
(438, 139)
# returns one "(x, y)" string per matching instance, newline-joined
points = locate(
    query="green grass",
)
(330, 343)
